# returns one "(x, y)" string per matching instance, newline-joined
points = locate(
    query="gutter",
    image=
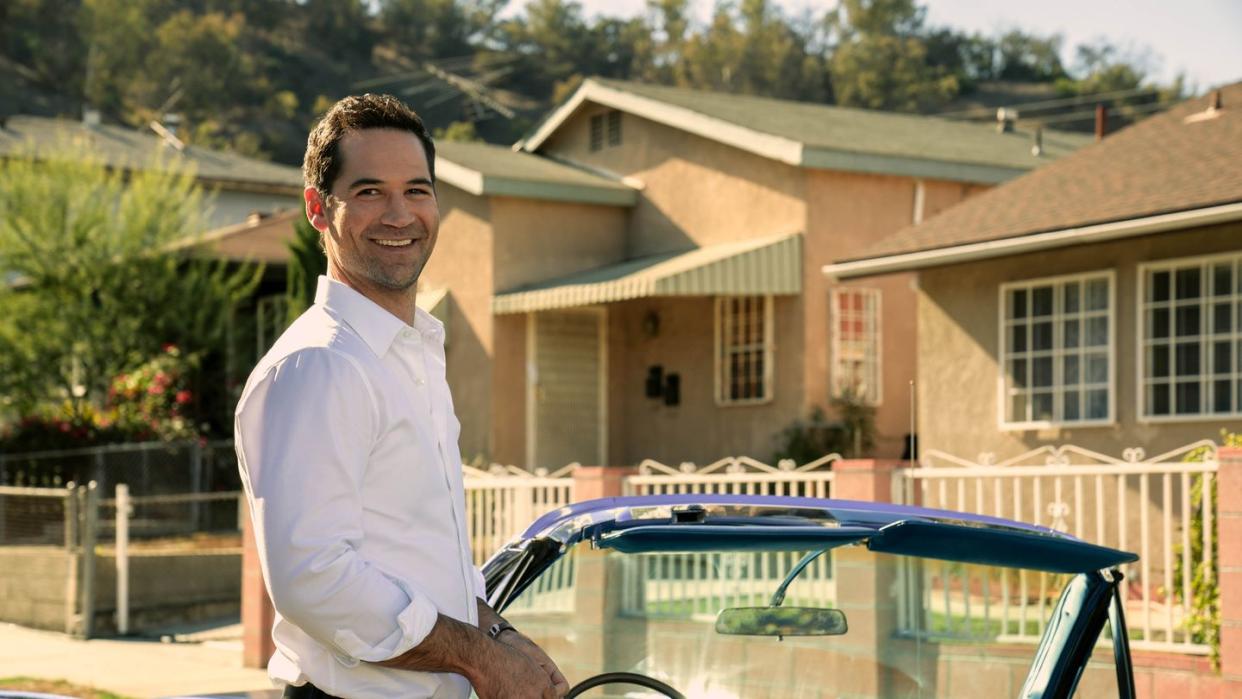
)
(1036, 242)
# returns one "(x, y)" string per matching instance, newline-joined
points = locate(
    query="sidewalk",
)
(207, 662)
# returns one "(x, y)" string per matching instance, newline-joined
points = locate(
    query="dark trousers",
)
(306, 691)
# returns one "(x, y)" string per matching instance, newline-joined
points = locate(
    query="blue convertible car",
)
(755, 597)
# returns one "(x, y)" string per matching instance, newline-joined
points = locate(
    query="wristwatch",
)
(499, 628)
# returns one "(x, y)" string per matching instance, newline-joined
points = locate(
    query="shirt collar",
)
(377, 327)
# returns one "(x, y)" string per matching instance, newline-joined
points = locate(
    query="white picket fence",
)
(684, 585)
(502, 501)
(735, 475)
(1133, 503)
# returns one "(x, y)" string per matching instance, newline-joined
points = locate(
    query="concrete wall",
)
(35, 586)
(170, 588)
(462, 263)
(958, 349)
(695, 191)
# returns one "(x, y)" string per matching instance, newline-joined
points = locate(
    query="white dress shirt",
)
(347, 446)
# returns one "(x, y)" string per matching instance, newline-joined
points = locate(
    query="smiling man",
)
(347, 447)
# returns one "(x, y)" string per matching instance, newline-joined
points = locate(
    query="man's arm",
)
(304, 431)
(517, 640)
(495, 670)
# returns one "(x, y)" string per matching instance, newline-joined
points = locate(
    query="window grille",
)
(1191, 355)
(614, 128)
(1057, 350)
(744, 342)
(856, 344)
(597, 132)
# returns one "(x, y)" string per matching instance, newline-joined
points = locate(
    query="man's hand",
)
(527, 647)
(507, 673)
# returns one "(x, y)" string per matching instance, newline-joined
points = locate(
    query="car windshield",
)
(913, 627)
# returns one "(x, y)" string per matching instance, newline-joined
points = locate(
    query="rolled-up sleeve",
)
(304, 433)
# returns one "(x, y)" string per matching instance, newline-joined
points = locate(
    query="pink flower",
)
(183, 397)
(155, 389)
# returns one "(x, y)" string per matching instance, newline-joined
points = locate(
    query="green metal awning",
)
(759, 266)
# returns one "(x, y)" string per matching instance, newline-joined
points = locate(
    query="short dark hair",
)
(322, 163)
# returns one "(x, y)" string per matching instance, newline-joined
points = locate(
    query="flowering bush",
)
(152, 402)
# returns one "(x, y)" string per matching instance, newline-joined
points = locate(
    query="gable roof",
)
(822, 136)
(130, 149)
(1174, 170)
(487, 170)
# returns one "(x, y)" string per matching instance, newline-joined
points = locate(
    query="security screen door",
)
(565, 388)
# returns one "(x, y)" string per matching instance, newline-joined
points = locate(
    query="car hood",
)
(700, 522)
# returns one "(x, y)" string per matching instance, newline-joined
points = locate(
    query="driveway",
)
(193, 662)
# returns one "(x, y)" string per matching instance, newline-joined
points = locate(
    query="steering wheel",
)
(624, 678)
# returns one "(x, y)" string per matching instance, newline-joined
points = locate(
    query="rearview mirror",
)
(781, 621)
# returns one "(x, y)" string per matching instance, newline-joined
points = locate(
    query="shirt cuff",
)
(480, 585)
(414, 623)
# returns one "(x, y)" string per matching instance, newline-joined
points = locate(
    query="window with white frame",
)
(1057, 350)
(856, 344)
(744, 341)
(1191, 342)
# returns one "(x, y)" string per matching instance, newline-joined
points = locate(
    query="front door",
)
(565, 404)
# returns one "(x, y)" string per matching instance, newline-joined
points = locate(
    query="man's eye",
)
(368, 192)
(417, 192)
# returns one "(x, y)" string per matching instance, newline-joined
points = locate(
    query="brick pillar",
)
(865, 584)
(591, 482)
(864, 479)
(1229, 538)
(257, 612)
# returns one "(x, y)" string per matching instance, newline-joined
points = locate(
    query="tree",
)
(880, 61)
(91, 256)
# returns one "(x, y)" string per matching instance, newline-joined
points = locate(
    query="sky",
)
(1200, 38)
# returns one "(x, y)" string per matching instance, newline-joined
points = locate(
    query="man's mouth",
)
(398, 243)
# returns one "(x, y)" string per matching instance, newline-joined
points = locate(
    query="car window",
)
(916, 628)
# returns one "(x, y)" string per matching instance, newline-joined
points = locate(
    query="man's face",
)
(380, 219)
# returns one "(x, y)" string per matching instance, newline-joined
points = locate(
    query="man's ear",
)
(316, 209)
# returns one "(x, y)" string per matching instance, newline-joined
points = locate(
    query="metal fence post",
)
(90, 528)
(196, 481)
(71, 549)
(123, 511)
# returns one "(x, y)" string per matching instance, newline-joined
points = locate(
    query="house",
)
(240, 185)
(639, 277)
(1096, 301)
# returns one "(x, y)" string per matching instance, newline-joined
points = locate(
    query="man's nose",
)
(398, 212)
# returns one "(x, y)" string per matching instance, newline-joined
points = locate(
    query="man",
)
(347, 446)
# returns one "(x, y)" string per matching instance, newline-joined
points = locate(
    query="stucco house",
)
(240, 186)
(640, 276)
(1095, 302)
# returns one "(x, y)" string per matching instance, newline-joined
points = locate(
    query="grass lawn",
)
(29, 684)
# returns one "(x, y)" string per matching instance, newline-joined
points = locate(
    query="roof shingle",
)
(1164, 164)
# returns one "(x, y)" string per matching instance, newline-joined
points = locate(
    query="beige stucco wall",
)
(462, 262)
(847, 212)
(540, 240)
(228, 207)
(697, 429)
(695, 191)
(958, 338)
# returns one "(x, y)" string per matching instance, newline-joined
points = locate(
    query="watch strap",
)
(498, 628)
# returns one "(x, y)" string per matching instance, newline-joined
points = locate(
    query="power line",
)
(1090, 114)
(989, 112)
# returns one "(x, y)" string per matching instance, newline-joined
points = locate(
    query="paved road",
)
(192, 664)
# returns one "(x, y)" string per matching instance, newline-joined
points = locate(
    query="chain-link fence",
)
(154, 468)
(35, 516)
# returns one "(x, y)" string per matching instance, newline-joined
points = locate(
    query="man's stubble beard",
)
(373, 270)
